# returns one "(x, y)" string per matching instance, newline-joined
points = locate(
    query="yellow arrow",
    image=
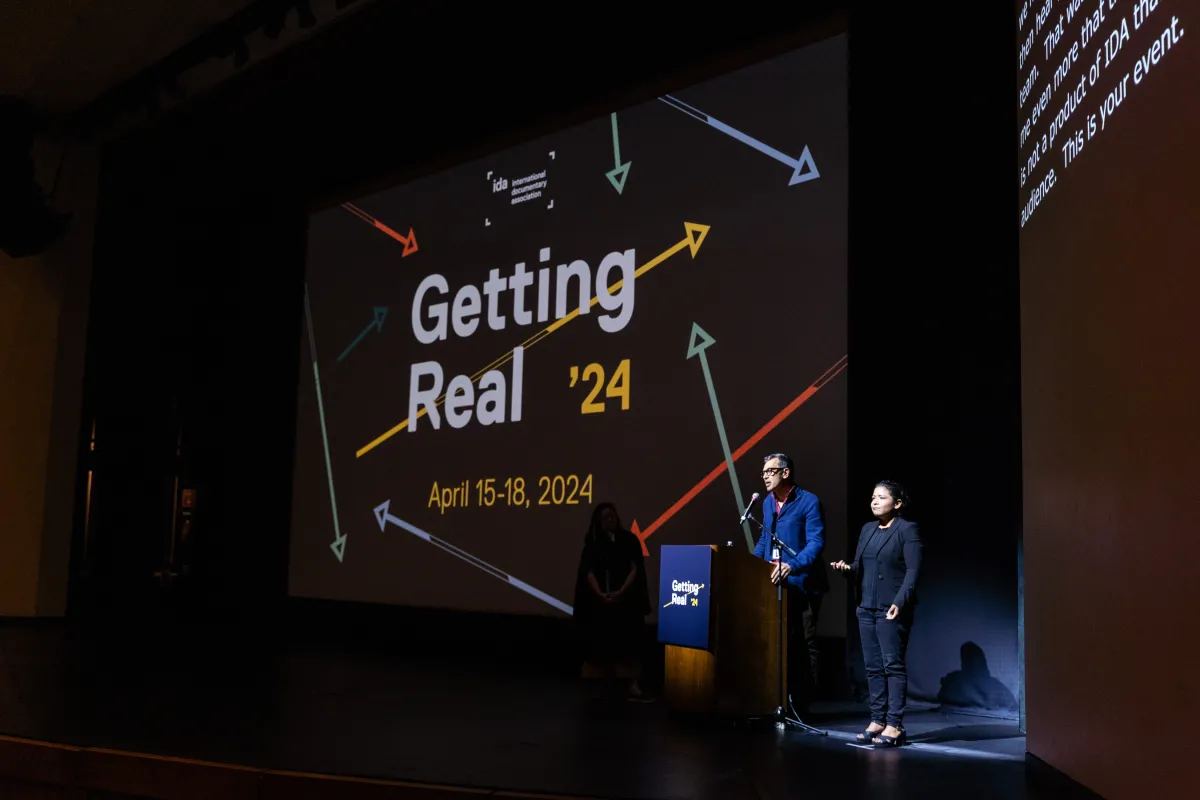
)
(695, 237)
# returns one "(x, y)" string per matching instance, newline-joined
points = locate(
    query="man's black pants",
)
(803, 654)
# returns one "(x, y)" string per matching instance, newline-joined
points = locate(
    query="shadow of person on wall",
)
(973, 686)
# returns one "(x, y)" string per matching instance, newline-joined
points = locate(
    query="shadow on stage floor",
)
(485, 723)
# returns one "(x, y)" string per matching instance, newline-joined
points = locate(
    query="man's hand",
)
(893, 612)
(781, 571)
(840, 565)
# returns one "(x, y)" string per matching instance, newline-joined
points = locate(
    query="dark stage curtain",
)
(193, 342)
(934, 339)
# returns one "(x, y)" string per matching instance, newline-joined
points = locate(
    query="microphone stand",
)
(785, 712)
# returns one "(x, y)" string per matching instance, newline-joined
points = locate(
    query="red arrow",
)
(688, 496)
(409, 242)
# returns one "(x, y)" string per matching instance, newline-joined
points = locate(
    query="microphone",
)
(749, 505)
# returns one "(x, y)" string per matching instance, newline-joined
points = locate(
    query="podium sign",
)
(718, 620)
(684, 590)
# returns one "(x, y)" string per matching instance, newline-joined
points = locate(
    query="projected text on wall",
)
(1083, 63)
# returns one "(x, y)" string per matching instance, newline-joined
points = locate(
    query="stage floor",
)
(485, 723)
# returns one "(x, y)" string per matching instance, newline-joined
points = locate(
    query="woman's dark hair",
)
(898, 494)
(594, 527)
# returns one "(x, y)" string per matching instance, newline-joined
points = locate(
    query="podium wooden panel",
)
(738, 675)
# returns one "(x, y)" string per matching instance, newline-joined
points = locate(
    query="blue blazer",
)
(801, 525)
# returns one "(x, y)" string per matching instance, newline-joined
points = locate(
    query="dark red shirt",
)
(780, 503)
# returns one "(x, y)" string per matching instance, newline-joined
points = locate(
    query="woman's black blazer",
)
(898, 562)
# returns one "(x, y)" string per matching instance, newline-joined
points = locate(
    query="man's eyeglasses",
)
(772, 471)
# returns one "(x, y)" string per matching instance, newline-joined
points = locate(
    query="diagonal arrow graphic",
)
(753, 441)
(339, 541)
(701, 341)
(804, 169)
(409, 242)
(383, 516)
(617, 175)
(375, 324)
(696, 234)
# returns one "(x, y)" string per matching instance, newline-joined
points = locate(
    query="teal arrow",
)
(701, 341)
(617, 175)
(375, 324)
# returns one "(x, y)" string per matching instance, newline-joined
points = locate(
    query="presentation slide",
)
(635, 310)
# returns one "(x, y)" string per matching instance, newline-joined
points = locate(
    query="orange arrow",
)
(688, 496)
(409, 242)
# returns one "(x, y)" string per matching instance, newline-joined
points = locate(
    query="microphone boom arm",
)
(775, 540)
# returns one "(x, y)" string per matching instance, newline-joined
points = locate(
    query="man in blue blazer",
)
(795, 516)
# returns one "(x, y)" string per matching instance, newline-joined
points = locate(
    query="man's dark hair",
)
(785, 461)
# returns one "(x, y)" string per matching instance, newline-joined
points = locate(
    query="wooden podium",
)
(737, 674)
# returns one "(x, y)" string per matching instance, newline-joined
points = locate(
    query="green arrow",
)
(617, 175)
(339, 541)
(701, 341)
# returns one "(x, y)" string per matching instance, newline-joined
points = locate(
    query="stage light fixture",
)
(305, 14)
(171, 87)
(278, 19)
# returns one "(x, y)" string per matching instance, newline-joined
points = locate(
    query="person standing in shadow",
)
(886, 566)
(612, 599)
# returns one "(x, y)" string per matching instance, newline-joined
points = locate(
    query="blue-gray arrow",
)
(804, 169)
(383, 516)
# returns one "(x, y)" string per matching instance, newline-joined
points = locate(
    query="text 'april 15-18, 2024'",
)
(512, 492)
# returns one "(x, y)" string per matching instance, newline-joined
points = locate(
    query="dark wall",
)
(200, 257)
(934, 337)
(192, 345)
(1111, 448)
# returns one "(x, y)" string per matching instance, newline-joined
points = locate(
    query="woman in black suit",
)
(886, 566)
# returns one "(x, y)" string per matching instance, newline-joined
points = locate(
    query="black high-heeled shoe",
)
(868, 735)
(891, 741)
